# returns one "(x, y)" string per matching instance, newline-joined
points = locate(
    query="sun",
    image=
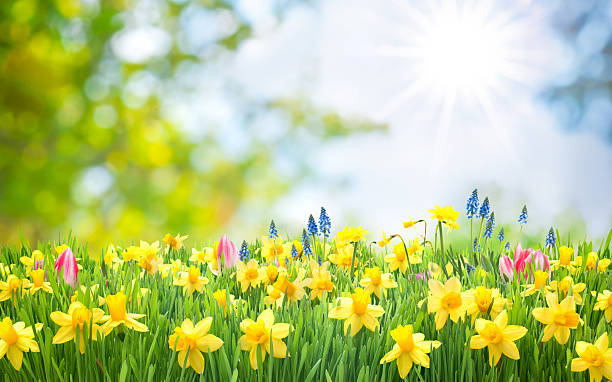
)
(457, 57)
(461, 52)
(456, 51)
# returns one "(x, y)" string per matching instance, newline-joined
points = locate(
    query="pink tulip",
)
(520, 260)
(227, 252)
(67, 261)
(539, 260)
(506, 267)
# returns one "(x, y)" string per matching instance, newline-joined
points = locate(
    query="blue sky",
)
(459, 87)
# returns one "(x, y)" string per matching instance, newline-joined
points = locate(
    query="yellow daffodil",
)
(293, 290)
(15, 339)
(191, 341)
(602, 265)
(384, 241)
(276, 249)
(321, 280)
(357, 312)
(604, 302)
(176, 266)
(38, 282)
(403, 255)
(259, 334)
(274, 296)
(499, 337)
(78, 316)
(29, 262)
(149, 259)
(343, 257)
(191, 281)
(565, 258)
(13, 286)
(377, 282)
(60, 248)
(597, 358)
(174, 242)
(483, 301)
(591, 261)
(247, 275)
(118, 315)
(269, 274)
(222, 298)
(445, 300)
(446, 215)
(351, 234)
(111, 259)
(410, 222)
(559, 318)
(540, 278)
(139, 293)
(564, 286)
(409, 348)
(132, 253)
(200, 257)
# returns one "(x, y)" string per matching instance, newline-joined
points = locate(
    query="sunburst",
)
(458, 52)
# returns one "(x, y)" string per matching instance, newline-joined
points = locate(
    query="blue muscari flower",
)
(472, 204)
(475, 244)
(294, 252)
(306, 243)
(244, 252)
(501, 236)
(485, 208)
(523, 216)
(469, 267)
(319, 260)
(551, 239)
(286, 261)
(489, 227)
(273, 232)
(312, 226)
(324, 223)
(507, 246)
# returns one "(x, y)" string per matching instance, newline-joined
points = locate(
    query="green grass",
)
(318, 349)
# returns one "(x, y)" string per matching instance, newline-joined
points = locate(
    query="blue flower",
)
(551, 239)
(485, 208)
(489, 227)
(313, 230)
(507, 246)
(469, 267)
(523, 216)
(244, 252)
(324, 223)
(472, 204)
(294, 252)
(306, 243)
(501, 236)
(319, 260)
(273, 232)
(475, 244)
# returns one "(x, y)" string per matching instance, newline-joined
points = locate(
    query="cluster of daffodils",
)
(252, 299)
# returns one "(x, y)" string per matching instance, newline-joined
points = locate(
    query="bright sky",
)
(462, 113)
(460, 89)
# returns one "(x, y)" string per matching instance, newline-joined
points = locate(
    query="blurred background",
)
(126, 119)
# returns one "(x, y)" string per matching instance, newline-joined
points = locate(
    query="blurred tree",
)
(583, 100)
(92, 134)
